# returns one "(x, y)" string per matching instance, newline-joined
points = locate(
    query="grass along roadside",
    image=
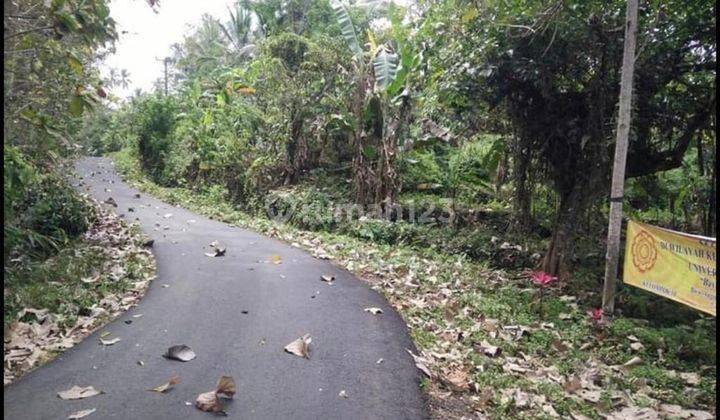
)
(490, 347)
(53, 303)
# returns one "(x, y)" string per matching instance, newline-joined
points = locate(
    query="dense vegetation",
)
(504, 106)
(48, 83)
(66, 261)
(478, 130)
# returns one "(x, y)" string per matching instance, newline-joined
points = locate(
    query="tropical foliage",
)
(494, 121)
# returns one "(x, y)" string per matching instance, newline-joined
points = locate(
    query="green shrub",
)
(55, 209)
(471, 167)
(155, 123)
(41, 210)
(419, 170)
(289, 48)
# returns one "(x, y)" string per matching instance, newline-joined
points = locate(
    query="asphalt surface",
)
(203, 306)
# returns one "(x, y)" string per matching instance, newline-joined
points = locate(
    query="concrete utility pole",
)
(165, 61)
(621, 146)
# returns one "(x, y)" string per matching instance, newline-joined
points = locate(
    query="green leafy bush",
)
(41, 210)
(155, 124)
(472, 166)
(419, 170)
(55, 209)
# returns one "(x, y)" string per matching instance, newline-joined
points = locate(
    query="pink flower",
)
(596, 314)
(542, 278)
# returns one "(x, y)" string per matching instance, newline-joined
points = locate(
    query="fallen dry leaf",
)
(167, 385)
(327, 278)
(487, 349)
(109, 342)
(226, 387)
(592, 396)
(676, 412)
(374, 311)
(458, 380)
(275, 259)
(691, 378)
(514, 367)
(218, 251)
(632, 362)
(572, 384)
(635, 413)
(180, 352)
(637, 346)
(420, 364)
(209, 402)
(90, 280)
(559, 346)
(300, 346)
(81, 414)
(78, 392)
(550, 410)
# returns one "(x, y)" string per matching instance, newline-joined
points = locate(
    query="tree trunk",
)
(557, 257)
(523, 197)
(361, 171)
(295, 148)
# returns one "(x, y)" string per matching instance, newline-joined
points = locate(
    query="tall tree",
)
(553, 69)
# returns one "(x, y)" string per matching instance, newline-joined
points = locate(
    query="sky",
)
(149, 36)
(145, 36)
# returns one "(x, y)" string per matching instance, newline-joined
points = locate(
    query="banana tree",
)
(380, 72)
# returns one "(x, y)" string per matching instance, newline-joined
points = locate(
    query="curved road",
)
(203, 308)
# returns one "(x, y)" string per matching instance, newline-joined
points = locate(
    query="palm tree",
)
(124, 78)
(239, 29)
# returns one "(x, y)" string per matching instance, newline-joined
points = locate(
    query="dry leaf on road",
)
(226, 387)
(109, 342)
(327, 278)
(180, 352)
(300, 346)
(209, 401)
(78, 392)
(166, 386)
(81, 414)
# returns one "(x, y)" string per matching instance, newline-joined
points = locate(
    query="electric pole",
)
(165, 61)
(621, 146)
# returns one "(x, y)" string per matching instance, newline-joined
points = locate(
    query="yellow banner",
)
(676, 265)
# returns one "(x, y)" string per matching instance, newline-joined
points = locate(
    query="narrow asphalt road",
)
(202, 307)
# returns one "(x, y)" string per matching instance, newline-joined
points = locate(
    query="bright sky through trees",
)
(149, 36)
